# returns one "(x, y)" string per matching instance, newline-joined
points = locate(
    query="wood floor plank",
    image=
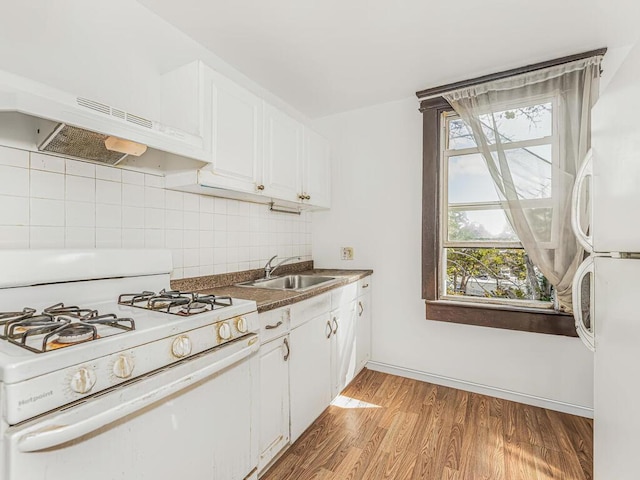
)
(400, 429)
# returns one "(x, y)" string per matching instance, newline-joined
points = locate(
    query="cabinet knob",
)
(307, 197)
(302, 196)
(260, 187)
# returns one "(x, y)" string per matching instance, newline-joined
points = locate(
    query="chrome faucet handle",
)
(268, 268)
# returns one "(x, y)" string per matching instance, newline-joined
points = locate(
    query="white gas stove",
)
(93, 343)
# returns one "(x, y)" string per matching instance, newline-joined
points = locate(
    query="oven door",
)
(195, 419)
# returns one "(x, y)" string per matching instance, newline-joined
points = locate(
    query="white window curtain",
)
(541, 221)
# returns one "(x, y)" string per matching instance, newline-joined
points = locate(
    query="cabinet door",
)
(309, 372)
(317, 170)
(274, 399)
(237, 135)
(343, 348)
(363, 331)
(282, 155)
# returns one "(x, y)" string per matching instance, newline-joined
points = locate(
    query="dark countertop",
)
(271, 299)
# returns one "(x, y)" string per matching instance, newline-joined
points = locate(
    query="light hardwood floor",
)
(396, 428)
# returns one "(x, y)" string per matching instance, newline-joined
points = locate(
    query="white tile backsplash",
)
(52, 202)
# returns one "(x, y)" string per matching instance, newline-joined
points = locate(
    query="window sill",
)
(499, 316)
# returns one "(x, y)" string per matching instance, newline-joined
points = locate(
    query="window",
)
(481, 258)
(444, 133)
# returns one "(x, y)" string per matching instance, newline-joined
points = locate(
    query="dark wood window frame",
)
(485, 315)
(433, 106)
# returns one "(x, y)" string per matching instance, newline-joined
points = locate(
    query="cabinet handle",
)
(330, 331)
(335, 323)
(366, 285)
(361, 309)
(286, 344)
(301, 196)
(271, 327)
(260, 187)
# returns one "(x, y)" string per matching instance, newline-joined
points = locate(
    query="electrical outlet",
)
(347, 253)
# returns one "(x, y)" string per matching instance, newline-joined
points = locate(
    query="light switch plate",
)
(346, 253)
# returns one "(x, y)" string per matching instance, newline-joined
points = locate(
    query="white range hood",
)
(19, 94)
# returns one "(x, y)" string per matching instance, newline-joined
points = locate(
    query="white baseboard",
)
(482, 389)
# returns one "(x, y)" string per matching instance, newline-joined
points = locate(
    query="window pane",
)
(479, 225)
(514, 125)
(460, 135)
(494, 273)
(469, 180)
(530, 169)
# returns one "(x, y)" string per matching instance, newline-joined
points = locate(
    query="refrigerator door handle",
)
(585, 334)
(586, 170)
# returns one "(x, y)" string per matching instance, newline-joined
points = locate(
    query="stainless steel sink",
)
(296, 283)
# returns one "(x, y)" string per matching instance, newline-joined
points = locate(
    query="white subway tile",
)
(108, 192)
(153, 238)
(173, 200)
(206, 238)
(112, 174)
(45, 212)
(14, 181)
(206, 204)
(79, 237)
(80, 214)
(177, 255)
(220, 206)
(108, 237)
(255, 254)
(244, 209)
(191, 257)
(191, 220)
(133, 178)
(174, 220)
(153, 197)
(244, 266)
(219, 238)
(232, 255)
(14, 210)
(219, 256)
(154, 180)
(80, 189)
(206, 270)
(219, 269)
(244, 254)
(108, 216)
(14, 236)
(191, 202)
(206, 221)
(13, 157)
(206, 256)
(80, 169)
(46, 237)
(191, 239)
(177, 273)
(219, 222)
(132, 238)
(232, 207)
(47, 185)
(191, 272)
(154, 218)
(133, 217)
(133, 195)
(40, 161)
(173, 239)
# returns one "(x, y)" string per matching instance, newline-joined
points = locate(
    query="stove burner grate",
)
(175, 302)
(10, 317)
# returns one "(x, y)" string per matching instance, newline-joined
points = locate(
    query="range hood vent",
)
(80, 143)
(114, 112)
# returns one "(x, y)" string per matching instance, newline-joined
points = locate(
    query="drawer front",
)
(364, 285)
(304, 311)
(343, 295)
(274, 323)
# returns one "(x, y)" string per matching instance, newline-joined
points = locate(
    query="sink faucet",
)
(268, 269)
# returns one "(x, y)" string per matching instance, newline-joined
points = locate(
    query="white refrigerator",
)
(611, 324)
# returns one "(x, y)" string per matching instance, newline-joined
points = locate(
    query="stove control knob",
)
(224, 332)
(123, 366)
(181, 347)
(241, 325)
(83, 380)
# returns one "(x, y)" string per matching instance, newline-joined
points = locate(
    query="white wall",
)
(376, 208)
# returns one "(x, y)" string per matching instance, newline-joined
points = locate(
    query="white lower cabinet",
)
(310, 376)
(312, 350)
(274, 399)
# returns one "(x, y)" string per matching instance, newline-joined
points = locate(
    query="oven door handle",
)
(80, 421)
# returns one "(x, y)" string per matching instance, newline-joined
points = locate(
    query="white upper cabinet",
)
(282, 155)
(236, 127)
(316, 180)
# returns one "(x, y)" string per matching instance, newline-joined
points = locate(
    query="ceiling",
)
(329, 56)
